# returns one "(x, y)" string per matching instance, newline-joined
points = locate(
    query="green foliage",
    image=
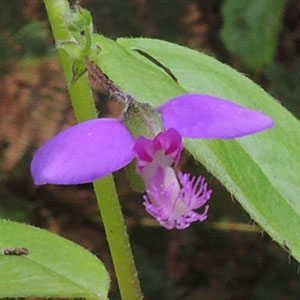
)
(13, 207)
(135, 180)
(80, 20)
(262, 171)
(30, 39)
(6, 54)
(7, 10)
(54, 267)
(250, 29)
(33, 37)
(283, 83)
(19, 35)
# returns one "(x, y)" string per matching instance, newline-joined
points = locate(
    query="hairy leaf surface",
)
(263, 170)
(54, 267)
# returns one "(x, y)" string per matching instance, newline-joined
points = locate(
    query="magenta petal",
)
(83, 153)
(208, 117)
(144, 149)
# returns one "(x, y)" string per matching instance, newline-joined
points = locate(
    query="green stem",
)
(117, 238)
(84, 107)
(80, 91)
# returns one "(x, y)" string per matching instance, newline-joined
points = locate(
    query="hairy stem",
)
(84, 107)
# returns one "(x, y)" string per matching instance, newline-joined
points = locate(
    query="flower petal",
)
(83, 153)
(170, 142)
(208, 117)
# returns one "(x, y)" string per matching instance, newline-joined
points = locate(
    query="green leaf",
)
(79, 20)
(135, 180)
(251, 28)
(263, 170)
(33, 38)
(54, 267)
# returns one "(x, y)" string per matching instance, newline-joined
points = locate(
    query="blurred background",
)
(227, 257)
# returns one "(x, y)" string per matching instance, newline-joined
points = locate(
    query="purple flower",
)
(171, 202)
(96, 148)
